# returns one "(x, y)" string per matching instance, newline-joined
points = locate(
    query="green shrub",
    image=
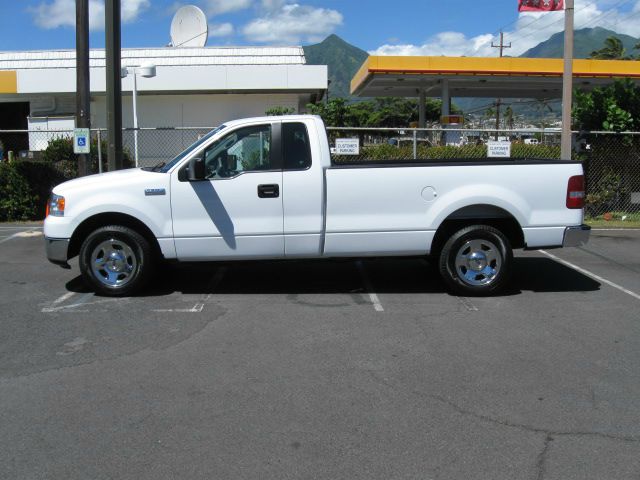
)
(16, 199)
(605, 193)
(387, 152)
(59, 151)
(41, 177)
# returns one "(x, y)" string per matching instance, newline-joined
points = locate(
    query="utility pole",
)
(114, 83)
(83, 88)
(567, 81)
(502, 47)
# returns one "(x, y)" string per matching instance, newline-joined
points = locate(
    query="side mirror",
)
(196, 171)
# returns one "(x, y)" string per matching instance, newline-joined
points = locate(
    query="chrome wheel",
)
(478, 262)
(113, 263)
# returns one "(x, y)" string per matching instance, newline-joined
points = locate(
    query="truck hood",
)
(110, 180)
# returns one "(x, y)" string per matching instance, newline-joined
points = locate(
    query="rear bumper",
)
(576, 236)
(57, 250)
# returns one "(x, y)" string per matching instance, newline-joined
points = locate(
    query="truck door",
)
(237, 212)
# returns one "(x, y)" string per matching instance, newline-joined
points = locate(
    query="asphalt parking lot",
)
(324, 370)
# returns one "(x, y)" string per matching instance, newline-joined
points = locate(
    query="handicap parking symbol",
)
(82, 141)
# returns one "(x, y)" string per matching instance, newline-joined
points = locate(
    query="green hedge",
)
(25, 185)
(24, 188)
(391, 152)
(60, 150)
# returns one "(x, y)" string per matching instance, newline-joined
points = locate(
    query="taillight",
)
(575, 192)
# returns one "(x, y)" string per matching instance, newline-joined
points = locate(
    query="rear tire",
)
(116, 260)
(476, 261)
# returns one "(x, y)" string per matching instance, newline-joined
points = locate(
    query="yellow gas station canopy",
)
(387, 76)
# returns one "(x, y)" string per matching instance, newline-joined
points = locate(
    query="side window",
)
(295, 146)
(244, 150)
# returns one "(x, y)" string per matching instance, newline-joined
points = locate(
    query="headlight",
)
(55, 205)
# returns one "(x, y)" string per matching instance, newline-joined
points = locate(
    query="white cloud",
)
(131, 9)
(62, 13)
(529, 30)
(272, 5)
(292, 23)
(217, 7)
(221, 30)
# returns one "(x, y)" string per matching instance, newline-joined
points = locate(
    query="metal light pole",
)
(147, 71)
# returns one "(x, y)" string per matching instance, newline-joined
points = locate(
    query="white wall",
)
(191, 110)
(185, 79)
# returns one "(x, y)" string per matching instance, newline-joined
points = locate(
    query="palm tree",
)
(613, 50)
(508, 117)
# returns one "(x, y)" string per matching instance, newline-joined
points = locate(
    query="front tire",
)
(476, 261)
(116, 260)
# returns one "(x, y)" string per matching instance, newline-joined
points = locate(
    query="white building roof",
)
(167, 56)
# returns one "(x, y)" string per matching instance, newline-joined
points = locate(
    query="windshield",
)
(191, 148)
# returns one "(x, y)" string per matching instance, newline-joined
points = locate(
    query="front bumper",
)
(576, 236)
(57, 250)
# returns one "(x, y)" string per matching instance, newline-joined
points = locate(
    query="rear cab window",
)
(296, 149)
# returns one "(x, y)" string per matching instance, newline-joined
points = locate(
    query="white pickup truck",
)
(266, 188)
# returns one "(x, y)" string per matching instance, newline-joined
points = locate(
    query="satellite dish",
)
(189, 27)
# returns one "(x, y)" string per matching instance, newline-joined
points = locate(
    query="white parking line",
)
(30, 232)
(20, 228)
(57, 301)
(592, 275)
(375, 301)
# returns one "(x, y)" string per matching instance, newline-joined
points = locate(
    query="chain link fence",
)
(611, 160)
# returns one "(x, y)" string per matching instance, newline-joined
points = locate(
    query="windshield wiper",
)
(156, 168)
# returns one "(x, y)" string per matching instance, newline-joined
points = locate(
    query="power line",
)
(542, 16)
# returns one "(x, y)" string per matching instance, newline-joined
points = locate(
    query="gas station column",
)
(422, 109)
(446, 98)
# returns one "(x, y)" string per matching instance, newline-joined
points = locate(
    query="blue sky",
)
(427, 27)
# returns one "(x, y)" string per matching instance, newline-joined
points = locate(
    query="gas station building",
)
(448, 77)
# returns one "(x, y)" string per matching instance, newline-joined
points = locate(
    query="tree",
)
(280, 110)
(615, 107)
(333, 113)
(387, 112)
(508, 117)
(613, 49)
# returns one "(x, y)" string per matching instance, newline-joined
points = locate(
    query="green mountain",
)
(586, 41)
(343, 60)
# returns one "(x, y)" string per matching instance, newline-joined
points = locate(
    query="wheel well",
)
(103, 219)
(495, 217)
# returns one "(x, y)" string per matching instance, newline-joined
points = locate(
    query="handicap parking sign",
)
(81, 142)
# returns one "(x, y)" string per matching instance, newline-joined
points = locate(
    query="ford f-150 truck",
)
(266, 188)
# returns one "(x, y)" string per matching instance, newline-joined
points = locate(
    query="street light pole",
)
(147, 71)
(135, 115)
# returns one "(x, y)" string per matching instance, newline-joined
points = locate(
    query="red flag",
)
(540, 5)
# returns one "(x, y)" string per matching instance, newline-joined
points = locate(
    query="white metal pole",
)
(567, 81)
(135, 115)
(99, 152)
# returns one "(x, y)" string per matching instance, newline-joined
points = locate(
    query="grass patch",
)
(615, 220)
